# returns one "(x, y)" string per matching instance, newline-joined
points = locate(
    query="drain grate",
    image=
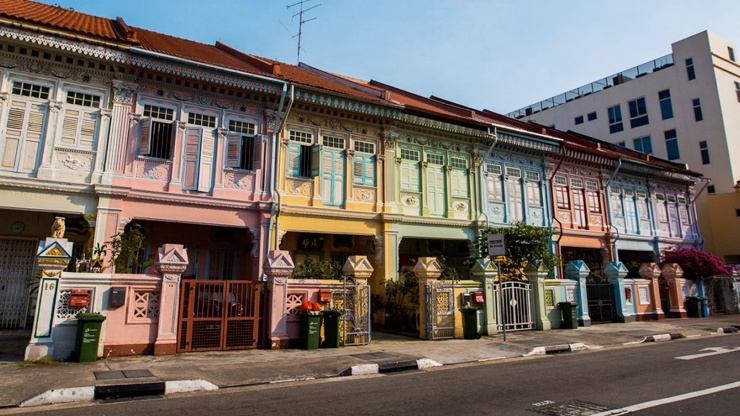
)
(569, 408)
(374, 356)
(116, 374)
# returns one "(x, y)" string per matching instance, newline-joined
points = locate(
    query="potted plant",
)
(310, 325)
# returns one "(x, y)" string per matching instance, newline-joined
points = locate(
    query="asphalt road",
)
(703, 382)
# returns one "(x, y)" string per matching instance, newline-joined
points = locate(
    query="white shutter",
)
(23, 134)
(78, 128)
(205, 169)
(70, 122)
(459, 181)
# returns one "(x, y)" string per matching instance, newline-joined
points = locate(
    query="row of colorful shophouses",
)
(236, 169)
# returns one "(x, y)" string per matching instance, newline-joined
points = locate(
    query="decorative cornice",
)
(345, 104)
(63, 44)
(330, 213)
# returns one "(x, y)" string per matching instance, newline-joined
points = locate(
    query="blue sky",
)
(494, 54)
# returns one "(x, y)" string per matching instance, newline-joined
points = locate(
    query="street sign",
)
(496, 245)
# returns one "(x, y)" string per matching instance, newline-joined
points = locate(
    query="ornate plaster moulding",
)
(54, 41)
(330, 213)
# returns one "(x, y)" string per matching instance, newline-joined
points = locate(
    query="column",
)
(652, 272)
(278, 268)
(673, 272)
(616, 272)
(486, 272)
(578, 271)
(536, 272)
(172, 260)
(52, 257)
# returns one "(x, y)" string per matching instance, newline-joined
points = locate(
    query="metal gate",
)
(600, 302)
(439, 309)
(354, 302)
(513, 306)
(17, 261)
(218, 315)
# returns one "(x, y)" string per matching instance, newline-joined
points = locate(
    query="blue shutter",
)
(294, 160)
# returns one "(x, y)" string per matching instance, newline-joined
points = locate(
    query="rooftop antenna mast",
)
(301, 21)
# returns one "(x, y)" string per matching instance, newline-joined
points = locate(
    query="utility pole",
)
(301, 21)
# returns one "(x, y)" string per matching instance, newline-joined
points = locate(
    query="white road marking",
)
(712, 351)
(660, 402)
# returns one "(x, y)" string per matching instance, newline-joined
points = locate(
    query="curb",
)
(662, 337)
(90, 393)
(390, 367)
(556, 349)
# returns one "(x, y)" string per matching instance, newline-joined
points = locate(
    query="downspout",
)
(279, 124)
(693, 211)
(552, 200)
(609, 209)
(494, 136)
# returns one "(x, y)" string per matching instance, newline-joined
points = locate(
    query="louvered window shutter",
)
(145, 141)
(294, 158)
(191, 161)
(233, 150)
(205, 170)
(315, 160)
(258, 150)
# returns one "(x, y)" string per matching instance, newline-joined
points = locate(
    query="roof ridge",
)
(271, 67)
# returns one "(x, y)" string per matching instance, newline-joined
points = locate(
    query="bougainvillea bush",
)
(696, 264)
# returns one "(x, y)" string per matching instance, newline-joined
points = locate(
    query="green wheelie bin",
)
(88, 336)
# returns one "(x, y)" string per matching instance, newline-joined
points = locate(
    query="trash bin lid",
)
(93, 317)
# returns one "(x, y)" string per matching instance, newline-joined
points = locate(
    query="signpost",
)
(497, 250)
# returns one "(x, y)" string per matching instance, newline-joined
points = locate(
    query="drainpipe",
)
(693, 212)
(276, 209)
(494, 136)
(609, 208)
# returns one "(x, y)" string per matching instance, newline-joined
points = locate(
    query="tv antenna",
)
(301, 21)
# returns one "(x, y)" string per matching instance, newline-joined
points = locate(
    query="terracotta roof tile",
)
(60, 18)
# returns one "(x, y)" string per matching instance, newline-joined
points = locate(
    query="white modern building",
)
(683, 107)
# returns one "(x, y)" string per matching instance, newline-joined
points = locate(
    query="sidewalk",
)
(38, 384)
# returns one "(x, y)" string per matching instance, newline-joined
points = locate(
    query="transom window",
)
(204, 120)
(493, 168)
(681, 200)
(576, 183)
(615, 189)
(435, 159)
(592, 186)
(85, 100)
(532, 176)
(163, 113)
(458, 162)
(629, 192)
(301, 137)
(641, 194)
(561, 180)
(333, 142)
(365, 147)
(242, 127)
(671, 198)
(660, 197)
(514, 172)
(408, 154)
(27, 89)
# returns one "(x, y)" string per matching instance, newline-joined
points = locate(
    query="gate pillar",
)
(52, 256)
(360, 268)
(651, 271)
(536, 272)
(485, 272)
(578, 271)
(425, 269)
(672, 273)
(616, 273)
(278, 267)
(172, 260)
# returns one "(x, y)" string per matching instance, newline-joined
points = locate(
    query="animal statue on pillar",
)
(57, 228)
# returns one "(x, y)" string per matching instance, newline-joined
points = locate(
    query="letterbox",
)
(79, 298)
(477, 297)
(117, 297)
(325, 295)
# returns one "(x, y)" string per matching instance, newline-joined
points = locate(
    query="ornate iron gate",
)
(354, 302)
(220, 315)
(600, 302)
(439, 309)
(513, 306)
(17, 260)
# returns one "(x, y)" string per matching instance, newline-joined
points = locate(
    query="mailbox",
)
(477, 297)
(117, 297)
(79, 298)
(325, 295)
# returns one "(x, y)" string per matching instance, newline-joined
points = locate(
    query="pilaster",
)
(172, 260)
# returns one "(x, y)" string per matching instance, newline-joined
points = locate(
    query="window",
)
(493, 181)
(157, 132)
(26, 89)
(643, 145)
(690, 69)
(666, 109)
(731, 53)
(737, 212)
(330, 164)
(579, 203)
(333, 142)
(710, 189)
(697, 109)
(80, 120)
(303, 155)
(24, 129)
(704, 148)
(579, 120)
(638, 113)
(242, 146)
(591, 116)
(671, 144)
(364, 163)
(592, 197)
(204, 120)
(737, 90)
(622, 143)
(561, 192)
(459, 177)
(616, 198)
(435, 192)
(615, 119)
(410, 170)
